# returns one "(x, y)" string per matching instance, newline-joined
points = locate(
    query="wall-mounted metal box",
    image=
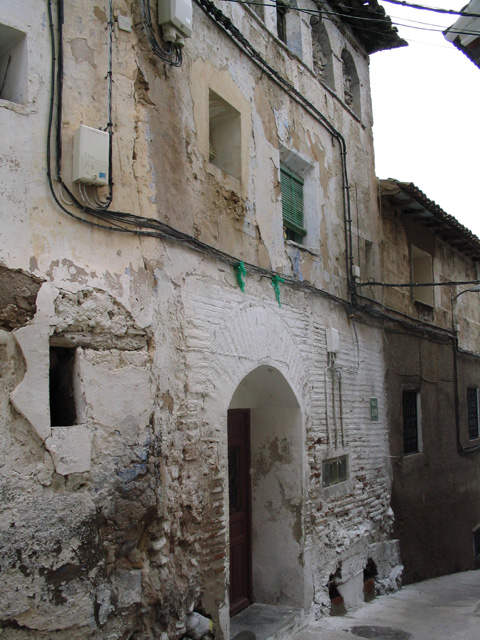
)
(90, 156)
(175, 16)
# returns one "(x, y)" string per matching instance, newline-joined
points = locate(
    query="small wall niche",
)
(351, 83)
(13, 65)
(224, 136)
(63, 411)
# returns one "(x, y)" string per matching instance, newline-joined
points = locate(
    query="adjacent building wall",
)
(431, 350)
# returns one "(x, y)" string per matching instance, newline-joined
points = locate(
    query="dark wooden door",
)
(240, 509)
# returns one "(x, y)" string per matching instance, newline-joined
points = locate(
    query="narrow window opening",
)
(351, 83)
(282, 9)
(291, 186)
(13, 65)
(411, 438)
(63, 411)
(476, 546)
(472, 409)
(322, 52)
(422, 271)
(224, 136)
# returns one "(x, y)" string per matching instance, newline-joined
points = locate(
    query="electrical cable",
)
(123, 222)
(58, 49)
(227, 25)
(327, 15)
(415, 284)
(173, 55)
(423, 7)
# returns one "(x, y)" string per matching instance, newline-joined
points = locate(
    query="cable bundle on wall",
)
(171, 55)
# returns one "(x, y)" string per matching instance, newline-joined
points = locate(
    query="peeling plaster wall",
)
(117, 526)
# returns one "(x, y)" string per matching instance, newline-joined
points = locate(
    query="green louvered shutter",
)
(292, 201)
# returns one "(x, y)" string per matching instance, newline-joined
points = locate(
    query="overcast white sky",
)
(426, 105)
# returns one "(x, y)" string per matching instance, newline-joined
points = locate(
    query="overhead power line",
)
(423, 7)
(327, 15)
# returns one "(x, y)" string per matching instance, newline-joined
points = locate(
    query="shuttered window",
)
(410, 422)
(292, 204)
(472, 407)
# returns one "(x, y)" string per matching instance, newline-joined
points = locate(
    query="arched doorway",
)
(266, 491)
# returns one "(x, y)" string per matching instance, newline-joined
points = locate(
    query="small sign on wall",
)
(374, 409)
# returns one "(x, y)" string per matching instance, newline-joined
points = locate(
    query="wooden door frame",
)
(246, 412)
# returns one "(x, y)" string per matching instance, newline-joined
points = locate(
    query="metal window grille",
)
(410, 422)
(334, 471)
(476, 546)
(292, 203)
(472, 411)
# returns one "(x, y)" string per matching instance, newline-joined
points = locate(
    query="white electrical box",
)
(356, 271)
(90, 156)
(333, 340)
(175, 17)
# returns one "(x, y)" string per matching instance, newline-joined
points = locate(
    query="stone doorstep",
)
(267, 622)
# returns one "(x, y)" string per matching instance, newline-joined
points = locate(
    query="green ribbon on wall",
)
(240, 274)
(275, 282)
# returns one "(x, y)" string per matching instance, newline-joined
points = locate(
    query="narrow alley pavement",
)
(446, 608)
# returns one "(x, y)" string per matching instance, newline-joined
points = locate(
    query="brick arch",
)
(250, 336)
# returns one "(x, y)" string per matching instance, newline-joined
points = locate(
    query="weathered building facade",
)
(183, 369)
(432, 378)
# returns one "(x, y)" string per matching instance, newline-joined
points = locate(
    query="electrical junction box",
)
(333, 340)
(175, 17)
(90, 156)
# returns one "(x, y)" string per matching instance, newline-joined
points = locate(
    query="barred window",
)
(472, 411)
(411, 440)
(334, 471)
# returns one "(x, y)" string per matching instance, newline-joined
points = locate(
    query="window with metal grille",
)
(472, 412)
(292, 204)
(476, 546)
(410, 422)
(334, 471)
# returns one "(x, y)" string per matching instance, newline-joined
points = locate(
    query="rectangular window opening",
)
(281, 10)
(224, 136)
(63, 412)
(476, 546)
(411, 439)
(422, 271)
(13, 65)
(292, 204)
(334, 471)
(472, 412)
